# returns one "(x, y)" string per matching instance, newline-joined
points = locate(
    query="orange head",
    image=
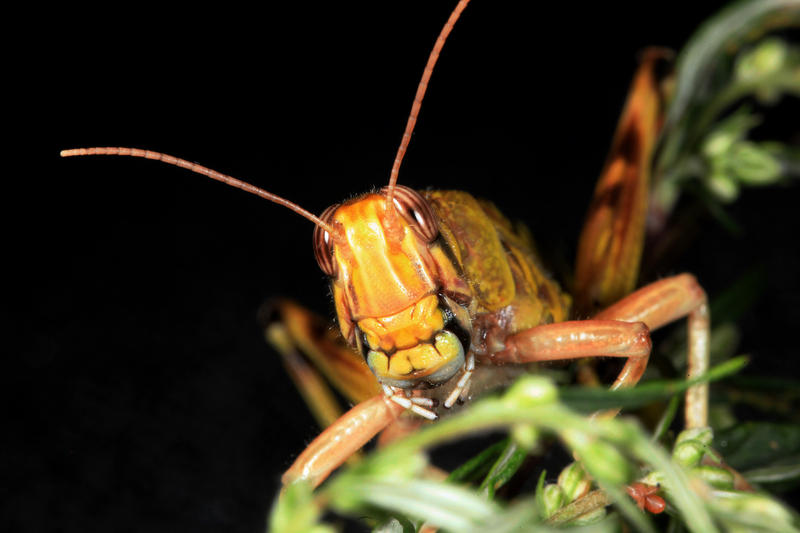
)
(386, 285)
(388, 272)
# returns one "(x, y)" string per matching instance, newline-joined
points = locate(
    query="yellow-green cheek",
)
(448, 345)
(378, 362)
(446, 355)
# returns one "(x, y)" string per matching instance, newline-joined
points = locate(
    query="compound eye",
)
(323, 243)
(415, 210)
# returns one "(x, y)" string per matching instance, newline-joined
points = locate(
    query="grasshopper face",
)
(386, 283)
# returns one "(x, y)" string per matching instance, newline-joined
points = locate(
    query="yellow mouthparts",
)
(435, 362)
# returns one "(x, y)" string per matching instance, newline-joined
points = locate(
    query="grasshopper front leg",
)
(314, 355)
(622, 330)
(342, 439)
(665, 301)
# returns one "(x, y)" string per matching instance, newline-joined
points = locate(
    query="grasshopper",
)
(435, 291)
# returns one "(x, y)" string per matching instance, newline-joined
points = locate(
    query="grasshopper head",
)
(387, 281)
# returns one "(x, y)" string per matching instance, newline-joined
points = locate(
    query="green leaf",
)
(440, 504)
(666, 418)
(751, 512)
(757, 444)
(592, 399)
(295, 511)
(541, 504)
(477, 467)
(521, 517)
(717, 37)
(503, 469)
(787, 470)
(707, 85)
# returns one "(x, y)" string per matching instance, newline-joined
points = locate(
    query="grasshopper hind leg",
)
(315, 355)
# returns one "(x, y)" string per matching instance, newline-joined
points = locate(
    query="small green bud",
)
(398, 467)
(717, 477)
(770, 510)
(723, 187)
(525, 435)
(532, 391)
(704, 435)
(753, 165)
(728, 132)
(553, 498)
(765, 59)
(767, 507)
(689, 453)
(574, 481)
(605, 463)
(591, 517)
(719, 142)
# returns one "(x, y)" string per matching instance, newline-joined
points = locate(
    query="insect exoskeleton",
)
(399, 297)
(426, 282)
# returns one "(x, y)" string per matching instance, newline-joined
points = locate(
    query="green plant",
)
(713, 479)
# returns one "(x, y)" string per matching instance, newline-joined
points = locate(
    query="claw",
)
(415, 405)
(463, 384)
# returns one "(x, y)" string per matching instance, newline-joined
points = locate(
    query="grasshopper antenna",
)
(421, 88)
(213, 174)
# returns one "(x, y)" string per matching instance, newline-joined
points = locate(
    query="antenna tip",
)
(67, 153)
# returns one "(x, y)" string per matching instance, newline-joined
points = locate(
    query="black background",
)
(141, 395)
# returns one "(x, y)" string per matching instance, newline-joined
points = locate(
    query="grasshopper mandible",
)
(434, 289)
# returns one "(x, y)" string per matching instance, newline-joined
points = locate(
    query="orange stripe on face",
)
(406, 328)
(383, 269)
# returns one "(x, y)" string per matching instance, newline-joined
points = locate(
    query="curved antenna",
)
(194, 167)
(421, 88)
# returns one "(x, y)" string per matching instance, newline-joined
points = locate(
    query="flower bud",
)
(704, 435)
(719, 142)
(553, 498)
(604, 462)
(723, 187)
(752, 165)
(765, 59)
(769, 510)
(574, 481)
(689, 453)
(726, 134)
(717, 477)
(532, 391)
